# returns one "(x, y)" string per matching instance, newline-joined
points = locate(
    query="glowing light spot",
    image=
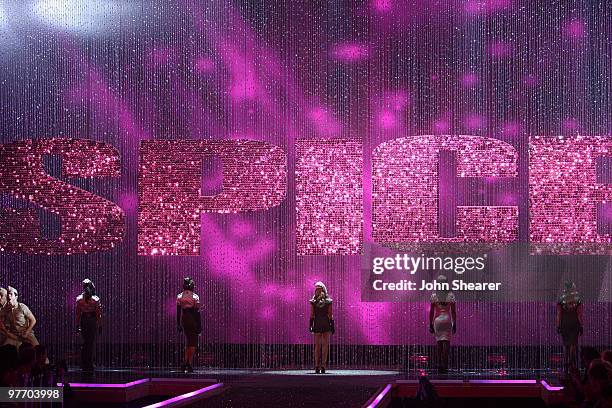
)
(576, 29)
(3, 18)
(500, 49)
(387, 120)
(382, 6)
(82, 16)
(441, 126)
(349, 52)
(469, 79)
(474, 121)
(204, 65)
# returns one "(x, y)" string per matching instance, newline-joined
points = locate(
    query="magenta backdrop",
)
(124, 72)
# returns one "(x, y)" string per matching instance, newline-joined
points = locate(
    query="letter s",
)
(89, 223)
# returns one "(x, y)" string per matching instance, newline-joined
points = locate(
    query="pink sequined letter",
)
(329, 196)
(405, 190)
(89, 223)
(170, 188)
(564, 194)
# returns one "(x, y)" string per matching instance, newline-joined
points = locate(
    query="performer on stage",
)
(3, 297)
(322, 325)
(89, 323)
(569, 323)
(17, 321)
(442, 321)
(3, 301)
(188, 320)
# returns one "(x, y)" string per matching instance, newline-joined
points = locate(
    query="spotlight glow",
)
(81, 16)
(3, 18)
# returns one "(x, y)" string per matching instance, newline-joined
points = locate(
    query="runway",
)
(120, 374)
(226, 388)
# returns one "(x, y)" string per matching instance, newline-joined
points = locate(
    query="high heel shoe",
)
(317, 370)
(322, 370)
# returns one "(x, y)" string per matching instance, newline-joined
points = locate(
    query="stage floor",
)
(375, 375)
(303, 388)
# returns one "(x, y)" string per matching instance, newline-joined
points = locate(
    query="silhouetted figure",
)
(89, 323)
(188, 321)
(442, 322)
(569, 324)
(322, 325)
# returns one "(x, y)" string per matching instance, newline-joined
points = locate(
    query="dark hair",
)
(598, 370)
(188, 283)
(588, 354)
(89, 289)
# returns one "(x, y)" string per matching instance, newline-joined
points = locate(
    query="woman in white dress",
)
(442, 321)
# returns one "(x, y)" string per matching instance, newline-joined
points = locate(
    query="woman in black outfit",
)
(322, 325)
(188, 320)
(569, 323)
(89, 323)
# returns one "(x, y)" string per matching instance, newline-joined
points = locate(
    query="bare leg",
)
(439, 354)
(445, 353)
(572, 356)
(325, 346)
(318, 338)
(189, 353)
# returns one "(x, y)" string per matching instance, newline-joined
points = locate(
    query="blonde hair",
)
(324, 295)
(321, 285)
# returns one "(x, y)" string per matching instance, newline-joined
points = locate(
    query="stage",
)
(302, 388)
(254, 188)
